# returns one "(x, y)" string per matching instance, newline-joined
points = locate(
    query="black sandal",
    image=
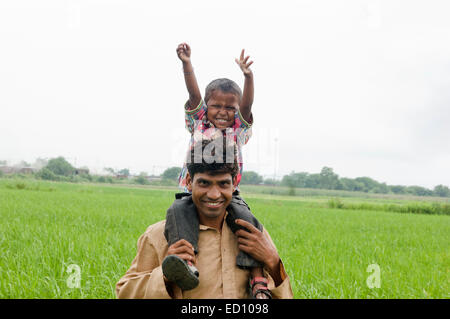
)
(182, 273)
(265, 290)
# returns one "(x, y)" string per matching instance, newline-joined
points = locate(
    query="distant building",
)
(27, 170)
(153, 178)
(7, 169)
(120, 176)
(81, 171)
(17, 170)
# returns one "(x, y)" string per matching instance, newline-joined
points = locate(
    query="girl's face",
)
(222, 108)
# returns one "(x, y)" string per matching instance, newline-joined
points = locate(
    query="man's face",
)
(222, 108)
(211, 195)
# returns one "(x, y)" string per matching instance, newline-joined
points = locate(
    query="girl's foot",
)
(259, 288)
(182, 273)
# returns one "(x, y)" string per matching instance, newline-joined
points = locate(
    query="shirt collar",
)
(204, 227)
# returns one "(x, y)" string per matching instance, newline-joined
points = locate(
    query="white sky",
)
(359, 86)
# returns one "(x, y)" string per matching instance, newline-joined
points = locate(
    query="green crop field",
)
(329, 245)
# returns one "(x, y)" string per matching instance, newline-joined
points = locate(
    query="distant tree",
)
(368, 183)
(328, 179)
(171, 173)
(101, 179)
(299, 179)
(359, 187)
(419, 191)
(250, 177)
(397, 189)
(384, 188)
(291, 191)
(287, 180)
(109, 170)
(124, 171)
(271, 182)
(380, 189)
(47, 174)
(59, 166)
(3, 162)
(339, 185)
(313, 181)
(441, 190)
(142, 179)
(347, 183)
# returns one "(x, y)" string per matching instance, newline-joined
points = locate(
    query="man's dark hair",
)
(224, 85)
(213, 157)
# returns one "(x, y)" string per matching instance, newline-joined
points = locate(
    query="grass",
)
(47, 226)
(314, 192)
(408, 207)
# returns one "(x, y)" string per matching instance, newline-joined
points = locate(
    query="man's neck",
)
(212, 222)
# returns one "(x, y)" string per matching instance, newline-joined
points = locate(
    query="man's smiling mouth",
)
(213, 204)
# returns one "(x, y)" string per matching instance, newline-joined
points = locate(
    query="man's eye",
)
(230, 109)
(225, 184)
(202, 183)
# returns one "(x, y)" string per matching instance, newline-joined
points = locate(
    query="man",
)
(212, 187)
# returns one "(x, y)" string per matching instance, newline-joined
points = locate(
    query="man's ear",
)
(234, 183)
(189, 182)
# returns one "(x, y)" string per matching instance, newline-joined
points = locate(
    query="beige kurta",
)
(216, 263)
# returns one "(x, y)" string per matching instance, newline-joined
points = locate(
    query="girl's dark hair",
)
(214, 157)
(224, 85)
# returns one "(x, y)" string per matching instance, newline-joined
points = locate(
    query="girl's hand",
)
(242, 62)
(184, 52)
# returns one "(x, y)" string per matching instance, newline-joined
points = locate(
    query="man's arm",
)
(184, 54)
(144, 279)
(247, 95)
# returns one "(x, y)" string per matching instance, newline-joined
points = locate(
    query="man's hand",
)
(243, 64)
(184, 52)
(256, 244)
(182, 249)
